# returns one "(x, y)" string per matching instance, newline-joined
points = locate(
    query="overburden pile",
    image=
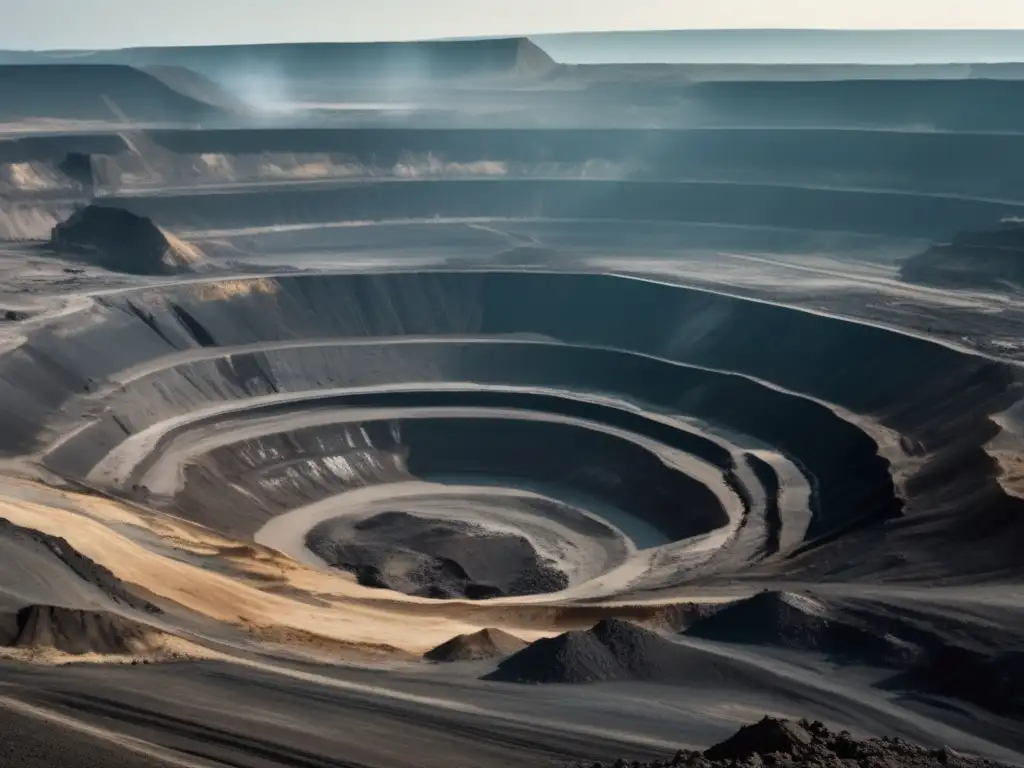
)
(120, 241)
(612, 650)
(485, 644)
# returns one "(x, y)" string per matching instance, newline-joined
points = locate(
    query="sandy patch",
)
(167, 649)
(226, 289)
(227, 599)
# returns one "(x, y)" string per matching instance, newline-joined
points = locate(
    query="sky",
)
(36, 24)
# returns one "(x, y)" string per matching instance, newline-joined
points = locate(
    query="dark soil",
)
(994, 681)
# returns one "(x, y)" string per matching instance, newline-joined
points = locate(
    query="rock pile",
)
(611, 650)
(118, 240)
(485, 644)
(788, 744)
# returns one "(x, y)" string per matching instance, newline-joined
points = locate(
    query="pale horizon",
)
(132, 23)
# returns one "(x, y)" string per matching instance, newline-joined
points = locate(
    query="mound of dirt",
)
(83, 567)
(611, 650)
(770, 736)
(118, 240)
(811, 745)
(485, 644)
(799, 621)
(79, 632)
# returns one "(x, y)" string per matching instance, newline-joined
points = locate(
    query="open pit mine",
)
(444, 404)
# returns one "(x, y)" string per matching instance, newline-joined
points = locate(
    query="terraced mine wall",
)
(944, 163)
(958, 105)
(746, 205)
(164, 363)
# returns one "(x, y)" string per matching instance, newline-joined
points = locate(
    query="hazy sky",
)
(116, 23)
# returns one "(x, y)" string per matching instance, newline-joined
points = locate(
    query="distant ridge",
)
(441, 59)
(78, 91)
(787, 46)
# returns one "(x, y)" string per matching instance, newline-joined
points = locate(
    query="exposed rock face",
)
(811, 745)
(120, 241)
(485, 644)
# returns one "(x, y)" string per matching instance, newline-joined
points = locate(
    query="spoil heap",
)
(120, 241)
(485, 644)
(611, 650)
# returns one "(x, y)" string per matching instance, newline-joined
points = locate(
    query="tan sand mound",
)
(118, 240)
(485, 644)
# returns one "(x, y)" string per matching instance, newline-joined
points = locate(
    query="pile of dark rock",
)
(485, 644)
(120, 241)
(788, 744)
(611, 650)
